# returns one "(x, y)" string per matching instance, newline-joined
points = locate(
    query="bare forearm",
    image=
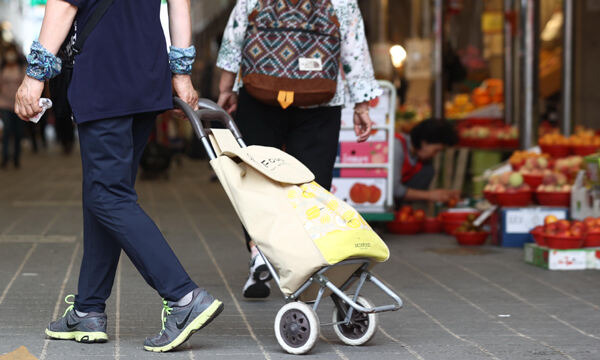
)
(227, 81)
(57, 22)
(180, 23)
(417, 195)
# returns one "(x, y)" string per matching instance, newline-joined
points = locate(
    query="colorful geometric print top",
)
(355, 84)
(283, 32)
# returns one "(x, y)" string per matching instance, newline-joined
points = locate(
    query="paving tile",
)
(452, 302)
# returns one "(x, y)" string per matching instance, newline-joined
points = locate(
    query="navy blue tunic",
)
(123, 68)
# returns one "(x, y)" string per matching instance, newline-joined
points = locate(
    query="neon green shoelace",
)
(166, 310)
(71, 303)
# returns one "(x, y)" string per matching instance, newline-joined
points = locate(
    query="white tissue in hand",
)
(45, 104)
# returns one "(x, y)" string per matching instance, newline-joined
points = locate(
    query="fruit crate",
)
(555, 259)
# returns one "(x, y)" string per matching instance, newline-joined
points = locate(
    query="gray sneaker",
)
(180, 322)
(87, 329)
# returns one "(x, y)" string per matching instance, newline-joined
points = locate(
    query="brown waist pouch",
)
(285, 92)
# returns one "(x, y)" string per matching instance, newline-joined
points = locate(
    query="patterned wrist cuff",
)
(181, 60)
(43, 65)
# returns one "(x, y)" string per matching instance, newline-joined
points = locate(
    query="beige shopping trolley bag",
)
(299, 226)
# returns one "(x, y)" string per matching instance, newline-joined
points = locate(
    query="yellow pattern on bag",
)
(338, 230)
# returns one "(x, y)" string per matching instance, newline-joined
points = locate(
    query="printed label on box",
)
(364, 153)
(522, 221)
(567, 260)
(367, 195)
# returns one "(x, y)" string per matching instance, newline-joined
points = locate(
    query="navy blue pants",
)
(112, 219)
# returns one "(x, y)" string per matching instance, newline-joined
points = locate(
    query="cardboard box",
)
(354, 192)
(364, 153)
(553, 259)
(511, 226)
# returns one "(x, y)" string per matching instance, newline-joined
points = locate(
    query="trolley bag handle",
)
(205, 114)
(196, 124)
(212, 111)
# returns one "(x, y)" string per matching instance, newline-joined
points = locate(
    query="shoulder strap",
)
(94, 19)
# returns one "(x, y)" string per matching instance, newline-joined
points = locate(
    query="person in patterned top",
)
(310, 134)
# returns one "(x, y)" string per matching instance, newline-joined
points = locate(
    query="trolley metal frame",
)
(209, 111)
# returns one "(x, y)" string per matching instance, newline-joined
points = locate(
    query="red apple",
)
(452, 202)
(407, 209)
(563, 225)
(589, 222)
(576, 224)
(419, 214)
(551, 228)
(550, 219)
(594, 230)
(565, 233)
(577, 232)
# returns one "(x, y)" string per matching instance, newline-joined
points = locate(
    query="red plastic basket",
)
(471, 238)
(451, 225)
(489, 196)
(432, 226)
(517, 167)
(465, 142)
(406, 227)
(551, 198)
(519, 198)
(533, 180)
(564, 242)
(584, 150)
(556, 150)
(492, 122)
(538, 236)
(592, 240)
(457, 215)
(509, 143)
(487, 143)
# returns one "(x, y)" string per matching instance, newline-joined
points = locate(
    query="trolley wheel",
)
(297, 327)
(361, 328)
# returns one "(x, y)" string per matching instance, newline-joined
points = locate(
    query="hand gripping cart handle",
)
(297, 324)
(208, 111)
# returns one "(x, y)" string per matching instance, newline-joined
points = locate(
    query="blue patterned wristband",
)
(181, 60)
(43, 65)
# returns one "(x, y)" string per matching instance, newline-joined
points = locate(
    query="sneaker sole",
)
(201, 321)
(259, 290)
(262, 269)
(79, 336)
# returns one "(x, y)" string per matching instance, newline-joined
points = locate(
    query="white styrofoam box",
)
(342, 187)
(593, 258)
(567, 260)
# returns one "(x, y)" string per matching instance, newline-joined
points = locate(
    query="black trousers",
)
(112, 218)
(309, 135)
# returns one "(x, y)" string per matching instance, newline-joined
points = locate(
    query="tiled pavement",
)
(458, 304)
